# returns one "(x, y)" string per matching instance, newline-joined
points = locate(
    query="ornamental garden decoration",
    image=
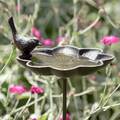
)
(62, 61)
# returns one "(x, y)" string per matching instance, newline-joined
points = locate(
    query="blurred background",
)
(81, 23)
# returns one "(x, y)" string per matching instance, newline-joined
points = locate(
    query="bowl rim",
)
(98, 62)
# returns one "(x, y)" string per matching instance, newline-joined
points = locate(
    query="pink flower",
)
(59, 39)
(108, 40)
(47, 42)
(67, 117)
(35, 32)
(17, 89)
(92, 77)
(33, 117)
(18, 8)
(36, 89)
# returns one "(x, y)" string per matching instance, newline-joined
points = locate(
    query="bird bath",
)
(66, 61)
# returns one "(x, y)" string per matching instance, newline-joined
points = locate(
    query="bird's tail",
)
(12, 25)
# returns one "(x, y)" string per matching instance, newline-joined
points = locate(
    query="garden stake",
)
(64, 98)
(50, 56)
(62, 61)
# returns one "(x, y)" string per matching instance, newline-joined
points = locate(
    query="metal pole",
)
(64, 97)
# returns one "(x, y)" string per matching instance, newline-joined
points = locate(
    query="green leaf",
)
(43, 117)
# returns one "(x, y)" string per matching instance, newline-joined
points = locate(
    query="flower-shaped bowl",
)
(66, 61)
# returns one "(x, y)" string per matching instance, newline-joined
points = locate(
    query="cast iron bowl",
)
(66, 61)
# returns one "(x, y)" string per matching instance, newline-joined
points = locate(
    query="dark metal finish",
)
(66, 61)
(24, 44)
(64, 98)
(62, 61)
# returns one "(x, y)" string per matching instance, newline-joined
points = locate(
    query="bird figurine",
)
(24, 44)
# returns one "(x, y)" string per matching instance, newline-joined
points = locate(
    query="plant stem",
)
(15, 106)
(23, 108)
(18, 109)
(108, 73)
(90, 26)
(36, 110)
(75, 26)
(111, 94)
(89, 90)
(85, 103)
(74, 99)
(51, 100)
(19, 7)
(42, 105)
(8, 60)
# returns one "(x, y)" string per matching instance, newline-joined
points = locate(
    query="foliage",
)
(83, 23)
